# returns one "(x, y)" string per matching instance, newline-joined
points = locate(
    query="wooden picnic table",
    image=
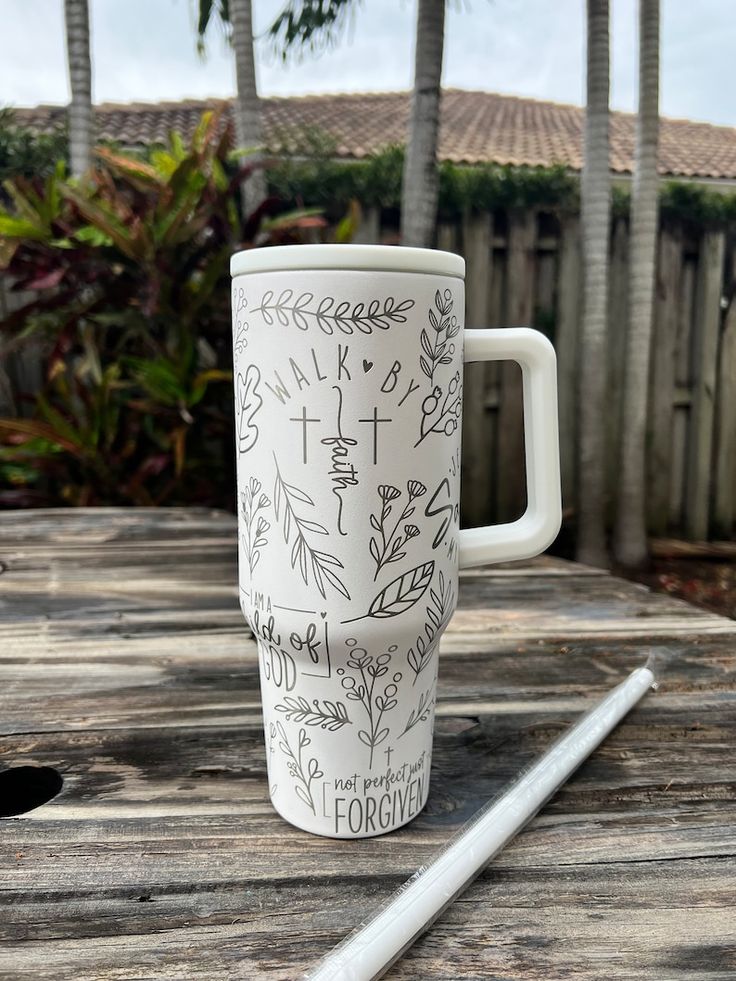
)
(125, 664)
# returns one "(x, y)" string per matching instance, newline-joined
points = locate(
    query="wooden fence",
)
(524, 267)
(21, 372)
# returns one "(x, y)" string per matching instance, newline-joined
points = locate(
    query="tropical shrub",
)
(24, 153)
(129, 270)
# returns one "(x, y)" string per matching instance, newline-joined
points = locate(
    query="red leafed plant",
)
(129, 267)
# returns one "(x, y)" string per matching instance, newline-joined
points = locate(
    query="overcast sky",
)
(144, 50)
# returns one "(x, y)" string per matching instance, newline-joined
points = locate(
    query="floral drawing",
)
(387, 545)
(252, 501)
(329, 314)
(439, 612)
(305, 773)
(311, 561)
(376, 696)
(441, 409)
(327, 715)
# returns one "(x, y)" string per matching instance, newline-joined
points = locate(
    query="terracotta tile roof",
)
(475, 127)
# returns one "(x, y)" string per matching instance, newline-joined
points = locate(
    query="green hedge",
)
(376, 180)
(310, 174)
(24, 153)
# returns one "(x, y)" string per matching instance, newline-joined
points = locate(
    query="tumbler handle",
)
(538, 526)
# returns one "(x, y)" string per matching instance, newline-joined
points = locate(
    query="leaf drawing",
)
(329, 314)
(329, 715)
(400, 594)
(248, 402)
(310, 560)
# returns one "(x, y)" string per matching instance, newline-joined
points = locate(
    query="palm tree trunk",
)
(595, 214)
(420, 181)
(76, 16)
(630, 536)
(247, 110)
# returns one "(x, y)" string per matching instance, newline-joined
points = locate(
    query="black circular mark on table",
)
(23, 788)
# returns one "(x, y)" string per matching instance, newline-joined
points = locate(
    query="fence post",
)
(7, 402)
(724, 506)
(477, 462)
(369, 230)
(567, 339)
(667, 313)
(520, 306)
(447, 236)
(705, 354)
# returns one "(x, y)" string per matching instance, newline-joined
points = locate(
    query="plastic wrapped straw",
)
(376, 944)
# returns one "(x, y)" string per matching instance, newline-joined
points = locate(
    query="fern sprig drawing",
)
(329, 314)
(442, 417)
(327, 715)
(439, 611)
(420, 713)
(311, 561)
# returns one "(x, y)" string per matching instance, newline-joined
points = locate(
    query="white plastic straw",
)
(375, 945)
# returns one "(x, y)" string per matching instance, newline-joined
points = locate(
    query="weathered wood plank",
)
(473, 936)
(520, 605)
(95, 525)
(700, 441)
(674, 548)
(172, 778)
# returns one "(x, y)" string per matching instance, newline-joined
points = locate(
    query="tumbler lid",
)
(375, 258)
